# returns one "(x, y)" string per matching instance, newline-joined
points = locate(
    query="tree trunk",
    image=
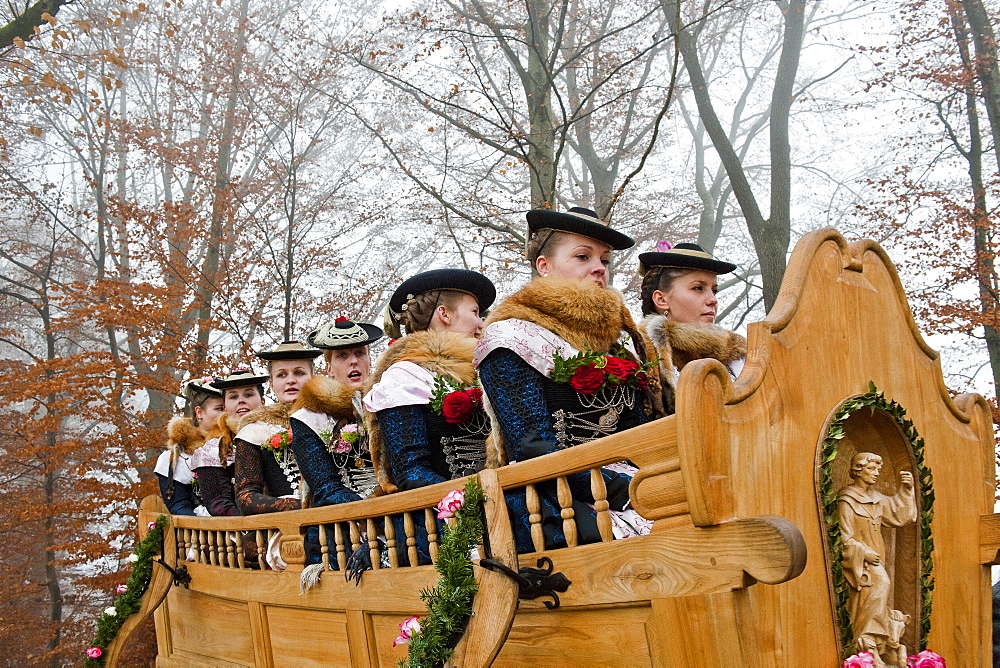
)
(986, 278)
(538, 91)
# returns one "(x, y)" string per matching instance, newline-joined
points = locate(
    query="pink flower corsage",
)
(450, 504)
(94, 652)
(925, 659)
(408, 628)
(860, 660)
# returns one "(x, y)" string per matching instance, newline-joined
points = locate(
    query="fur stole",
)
(677, 343)
(183, 436)
(580, 311)
(224, 429)
(276, 414)
(443, 353)
(323, 394)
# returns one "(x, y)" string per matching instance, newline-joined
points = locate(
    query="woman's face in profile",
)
(576, 256)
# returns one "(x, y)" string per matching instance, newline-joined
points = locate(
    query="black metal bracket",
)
(533, 582)
(181, 576)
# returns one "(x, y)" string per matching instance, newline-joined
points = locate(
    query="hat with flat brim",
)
(289, 350)
(458, 280)
(683, 256)
(206, 385)
(240, 377)
(344, 333)
(578, 221)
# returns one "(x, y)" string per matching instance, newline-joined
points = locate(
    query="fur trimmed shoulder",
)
(580, 311)
(689, 342)
(443, 353)
(276, 414)
(184, 435)
(225, 426)
(323, 394)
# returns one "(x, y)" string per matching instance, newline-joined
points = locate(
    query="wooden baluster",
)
(374, 552)
(390, 542)
(430, 524)
(231, 548)
(355, 535)
(535, 517)
(261, 548)
(568, 514)
(411, 539)
(241, 561)
(600, 492)
(213, 548)
(200, 541)
(182, 535)
(324, 548)
(338, 537)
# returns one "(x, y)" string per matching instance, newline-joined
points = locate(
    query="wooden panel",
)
(384, 629)
(308, 637)
(584, 637)
(209, 628)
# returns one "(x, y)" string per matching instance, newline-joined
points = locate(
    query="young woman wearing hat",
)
(267, 476)
(552, 364)
(328, 434)
(184, 436)
(214, 462)
(679, 284)
(426, 422)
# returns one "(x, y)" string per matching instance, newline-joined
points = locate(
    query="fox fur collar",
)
(677, 343)
(323, 394)
(276, 414)
(443, 353)
(583, 313)
(183, 436)
(224, 428)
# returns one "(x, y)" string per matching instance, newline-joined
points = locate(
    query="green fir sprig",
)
(443, 386)
(874, 399)
(129, 601)
(449, 604)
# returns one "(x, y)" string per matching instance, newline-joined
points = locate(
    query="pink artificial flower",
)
(342, 447)
(663, 246)
(151, 526)
(925, 659)
(194, 474)
(408, 628)
(350, 428)
(94, 652)
(860, 660)
(121, 589)
(450, 504)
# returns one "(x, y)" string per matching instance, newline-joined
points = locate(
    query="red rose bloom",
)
(587, 379)
(476, 395)
(620, 369)
(641, 381)
(457, 407)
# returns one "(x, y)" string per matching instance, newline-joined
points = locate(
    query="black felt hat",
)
(578, 221)
(289, 350)
(683, 256)
(459, 280)
(206, 385)
(344, 333)
(242, 376)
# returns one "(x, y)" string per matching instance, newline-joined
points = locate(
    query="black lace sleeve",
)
(251, 493)
(404, 437)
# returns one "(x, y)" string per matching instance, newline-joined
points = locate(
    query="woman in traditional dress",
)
(328, 434)
(679, 284)
(214, 462)
(267, 477)
(185, 435)
(556, 374)
(426, 422)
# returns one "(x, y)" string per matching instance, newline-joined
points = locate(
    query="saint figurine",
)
(863, 511)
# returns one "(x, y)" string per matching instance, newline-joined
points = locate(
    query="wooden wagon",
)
(739, 568)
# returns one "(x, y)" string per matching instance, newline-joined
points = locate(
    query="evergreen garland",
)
(130, 600)
(449, 604)
(873, 399)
